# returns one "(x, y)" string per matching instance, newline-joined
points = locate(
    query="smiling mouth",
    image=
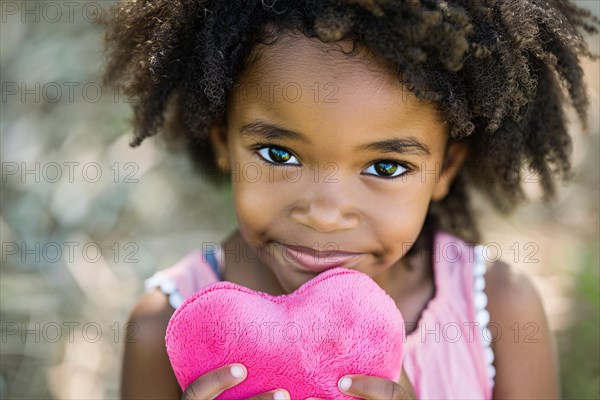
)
(315, 260)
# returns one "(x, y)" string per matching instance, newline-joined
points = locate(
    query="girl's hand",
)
(376, 388)
(213, 383)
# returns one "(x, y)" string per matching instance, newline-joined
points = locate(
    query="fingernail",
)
(345, 383)
(281, 395)
(237, 371)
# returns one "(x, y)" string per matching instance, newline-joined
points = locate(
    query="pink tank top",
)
(447, 355)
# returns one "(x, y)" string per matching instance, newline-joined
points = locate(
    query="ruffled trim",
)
(482, 316)
(167, 285)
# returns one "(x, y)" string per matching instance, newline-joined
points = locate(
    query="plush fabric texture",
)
(341, 322)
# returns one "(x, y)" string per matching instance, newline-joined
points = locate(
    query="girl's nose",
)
(326, 211)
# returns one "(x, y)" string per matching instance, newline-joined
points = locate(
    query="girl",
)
(350, 132)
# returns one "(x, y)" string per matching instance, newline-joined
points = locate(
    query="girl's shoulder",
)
(511, 293)
(520, 335)
(147, 371)
(150, 316)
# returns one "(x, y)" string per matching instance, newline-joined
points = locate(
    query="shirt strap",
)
(209, 255)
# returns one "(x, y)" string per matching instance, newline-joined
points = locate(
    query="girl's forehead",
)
(295, 57)
(305, 77)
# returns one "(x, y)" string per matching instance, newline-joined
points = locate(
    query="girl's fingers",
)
(213, 383)
(373, 387)
(278, 394)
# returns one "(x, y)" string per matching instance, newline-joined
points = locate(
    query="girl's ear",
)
(456, 153)
(219, 144)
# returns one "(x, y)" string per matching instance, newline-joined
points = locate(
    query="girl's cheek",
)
(257, 201)
(405, 210)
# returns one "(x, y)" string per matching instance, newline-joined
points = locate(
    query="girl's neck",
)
(409, 276)
(251, 274)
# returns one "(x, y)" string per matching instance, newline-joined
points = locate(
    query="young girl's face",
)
(330, 152)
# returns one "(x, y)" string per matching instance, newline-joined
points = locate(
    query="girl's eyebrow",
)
(396, 145)
(269, 131)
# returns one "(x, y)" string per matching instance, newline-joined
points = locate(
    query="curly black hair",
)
(499, 70)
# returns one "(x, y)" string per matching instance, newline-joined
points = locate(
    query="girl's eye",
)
(276, 155)
(386, 169)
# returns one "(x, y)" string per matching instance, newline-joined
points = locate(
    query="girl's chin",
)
(292, 280)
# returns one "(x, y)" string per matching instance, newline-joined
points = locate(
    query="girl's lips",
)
(317, 261)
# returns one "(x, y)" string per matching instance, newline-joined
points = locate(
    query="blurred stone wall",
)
(84, 218)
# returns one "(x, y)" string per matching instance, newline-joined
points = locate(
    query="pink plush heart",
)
(339, 323)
